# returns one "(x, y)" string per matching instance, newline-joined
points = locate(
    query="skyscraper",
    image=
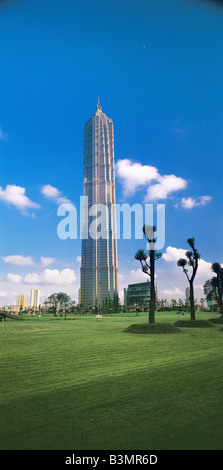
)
(21, 301)
(34, 299)
(99, 272)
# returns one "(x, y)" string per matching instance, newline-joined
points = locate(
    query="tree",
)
(213, 288)
(149, 269)
(192, 260)
(63, 300)
(115, 302)
(52, 299)
(202, 302)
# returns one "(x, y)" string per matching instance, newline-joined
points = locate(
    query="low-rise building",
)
(11, 308)
(137, 295)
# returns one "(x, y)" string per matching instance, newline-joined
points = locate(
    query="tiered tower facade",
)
(99, 271)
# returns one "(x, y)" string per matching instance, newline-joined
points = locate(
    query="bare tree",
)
(147, 261)
(192, 258)
(213, 288)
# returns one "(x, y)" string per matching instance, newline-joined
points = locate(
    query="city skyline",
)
(160, 80)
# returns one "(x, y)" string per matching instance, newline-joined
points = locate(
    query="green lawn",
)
(87, 384)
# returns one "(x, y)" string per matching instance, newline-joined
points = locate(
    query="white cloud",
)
(54, 276)
(190, 203)
(47, 276)
(46, 261)
(18, 260)
(134, 176)
(199, 287)
(137, 276)
(167, 185)
(172, 254)
(50, 192)
(174, 292)
(78, 259)
(14, 278)
(204, 269)
(16, 196)
(3, 294)
(48, 281)
(32, 278)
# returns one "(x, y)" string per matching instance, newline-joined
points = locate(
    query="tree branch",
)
(144, 269)
(186, 274)
(147, 264)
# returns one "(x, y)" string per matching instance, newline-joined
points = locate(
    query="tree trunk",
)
(152, 303)
(220, 296)
(192, 307)
(221, 306)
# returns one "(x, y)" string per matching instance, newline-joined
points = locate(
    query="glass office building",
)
(137, 294)
(99, 272)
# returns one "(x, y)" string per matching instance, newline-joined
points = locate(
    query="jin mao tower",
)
(99, 272)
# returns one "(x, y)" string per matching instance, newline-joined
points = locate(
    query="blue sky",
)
(157, 68)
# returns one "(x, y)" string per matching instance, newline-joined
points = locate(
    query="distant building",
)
(125, 297)
(187, 295)
(21, 301)
(157, 296)
(137, 295)
(12, 308)
(34, 299)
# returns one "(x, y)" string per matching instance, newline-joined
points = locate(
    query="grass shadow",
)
(217, 321)
(8, 316)
(193, 324)
(159, 328)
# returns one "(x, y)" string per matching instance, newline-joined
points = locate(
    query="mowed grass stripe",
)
(96, 360)
(152, 404)
(83, 360)
(86, 385)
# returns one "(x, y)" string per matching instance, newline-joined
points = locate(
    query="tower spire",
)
(98, 105)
